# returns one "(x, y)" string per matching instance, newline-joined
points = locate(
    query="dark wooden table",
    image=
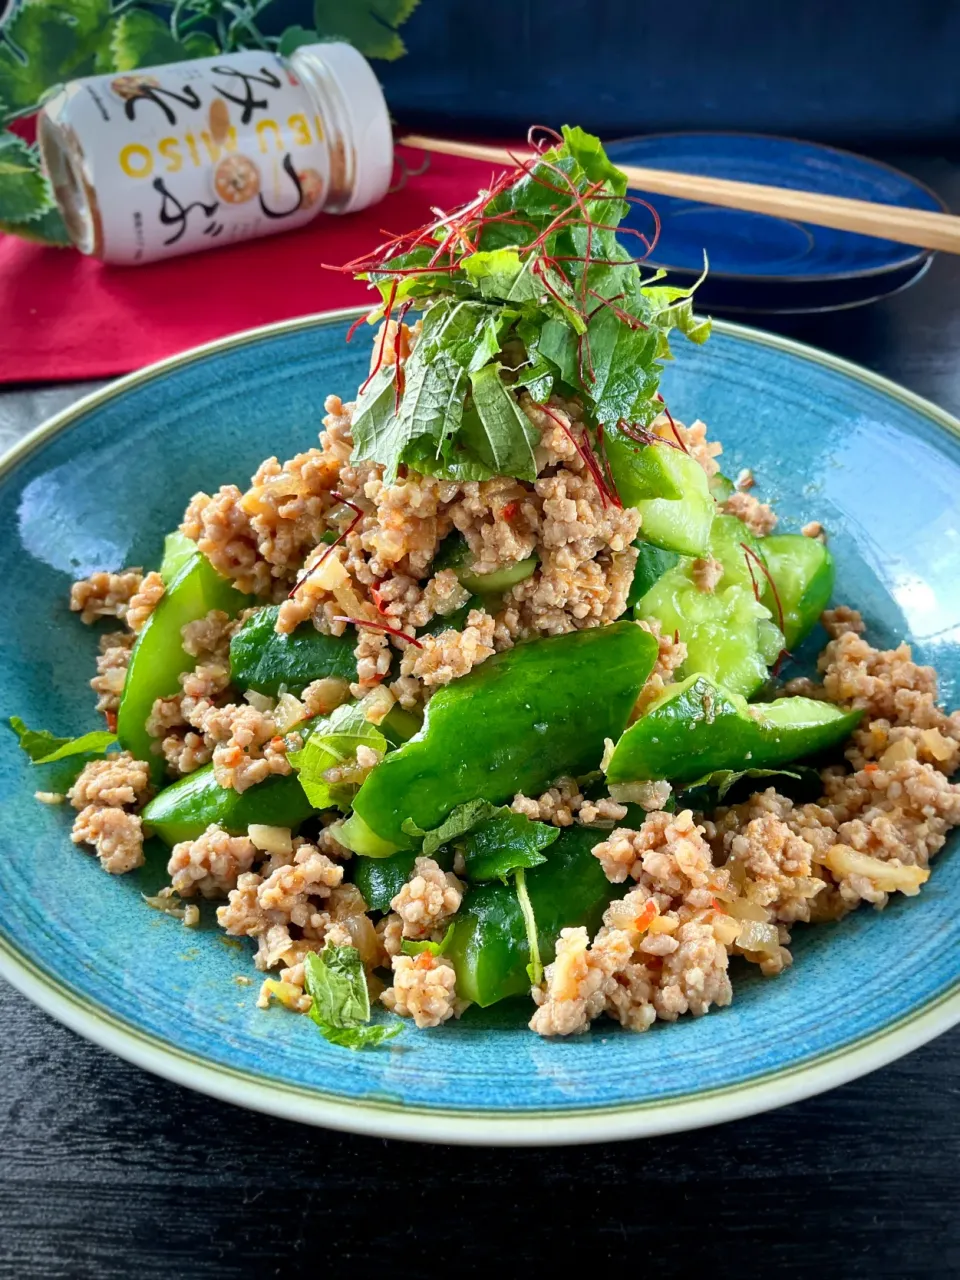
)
(106, 1171)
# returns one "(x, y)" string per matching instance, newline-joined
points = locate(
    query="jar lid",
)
(364, 117)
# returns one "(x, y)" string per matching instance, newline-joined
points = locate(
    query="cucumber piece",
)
(185, 809)
(803, 573)
(640, 471)
(357, 836)
(680, 524)
(697, 728)
(455, 554)
(177, 550)
(721, 487)
(263, 660)
(720, 629)
(729, 635)
(158, 657)
(490, 949)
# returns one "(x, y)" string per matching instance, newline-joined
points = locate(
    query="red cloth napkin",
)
(68, 316)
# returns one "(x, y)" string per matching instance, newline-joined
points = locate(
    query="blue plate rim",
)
(390, 1118)
(733, 276)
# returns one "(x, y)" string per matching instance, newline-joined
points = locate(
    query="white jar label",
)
(197, 153)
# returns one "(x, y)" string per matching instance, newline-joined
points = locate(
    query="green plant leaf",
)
(294, 37)
(504, 843)
(46, 44)
(457, 823)
(334, 741)
(24, 192)
(337, 984)
(369, 25)
(48, 229)
(507, 437)
(43, 747)
(368, 1037)
(141, 39)
(411, 948)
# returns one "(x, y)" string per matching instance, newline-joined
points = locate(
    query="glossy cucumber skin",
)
(158, 656)
(381, 879)
(697, 729)
(262, 659)
(652, 563)
(803, 573)
(184, 810)
(515, 723)
(489, 947)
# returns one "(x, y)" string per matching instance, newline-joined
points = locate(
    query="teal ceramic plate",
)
(98, 486)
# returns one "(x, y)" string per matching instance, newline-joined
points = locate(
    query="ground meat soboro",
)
(103, 792)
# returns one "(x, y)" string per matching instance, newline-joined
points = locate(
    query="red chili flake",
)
(377, 599)
(333, 545)
(648, 913)
(510, 511)
(381, 626)
(111, 718)
(870, 768)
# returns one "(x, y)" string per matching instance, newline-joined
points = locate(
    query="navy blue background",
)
(834, 70)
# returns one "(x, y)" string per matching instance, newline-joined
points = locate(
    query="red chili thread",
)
(383, 337)
(381, 626)
(333, 545)
(401, 377)
(355, 326)
(589, 460)
(605, 464)
(750, 554)
(782, 657)
(673, 425)
(556, 138)
(452, 234)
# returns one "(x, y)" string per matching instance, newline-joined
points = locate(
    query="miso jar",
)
(168, 160)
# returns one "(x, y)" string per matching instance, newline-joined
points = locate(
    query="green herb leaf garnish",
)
(410, 948)
(44, 747)
(528, 286)
(337, 984)
(334, 741)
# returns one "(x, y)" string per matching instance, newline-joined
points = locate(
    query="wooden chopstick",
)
(919, 227)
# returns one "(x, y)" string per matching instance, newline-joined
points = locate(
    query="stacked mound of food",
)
(483, 696)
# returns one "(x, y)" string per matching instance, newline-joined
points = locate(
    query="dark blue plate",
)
(760, 263)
